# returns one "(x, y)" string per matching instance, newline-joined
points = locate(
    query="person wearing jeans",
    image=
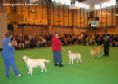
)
(56, 48)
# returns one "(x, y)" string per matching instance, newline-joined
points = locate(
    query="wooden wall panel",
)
(61, 30)
(7, 9)
(62, 16)
(25, 12)
(70, 18)
(32, 12)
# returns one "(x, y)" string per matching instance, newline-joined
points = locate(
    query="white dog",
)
(33, 63)
(76, 56)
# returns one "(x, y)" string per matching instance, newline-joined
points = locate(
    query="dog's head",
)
(69, 52)
(100, 47)
(25, 57)
(47, 61)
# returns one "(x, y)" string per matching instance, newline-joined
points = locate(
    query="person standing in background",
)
(106, 45)
(8, 56)
(56, 48)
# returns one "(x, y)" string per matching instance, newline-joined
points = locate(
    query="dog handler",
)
(8, 56)
(56, 48)
(106, 45)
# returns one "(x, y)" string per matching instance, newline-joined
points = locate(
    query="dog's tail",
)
(46, 61)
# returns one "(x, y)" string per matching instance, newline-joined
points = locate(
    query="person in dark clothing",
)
(106, 46)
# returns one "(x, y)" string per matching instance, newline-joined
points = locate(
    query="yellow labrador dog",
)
(96, 51)
(74, 56)
(33, 63)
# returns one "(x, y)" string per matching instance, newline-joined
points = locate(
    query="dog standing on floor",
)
(74, 56)
(33, 63)
(96, 51)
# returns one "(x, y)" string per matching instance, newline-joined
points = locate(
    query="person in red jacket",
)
(56, 47)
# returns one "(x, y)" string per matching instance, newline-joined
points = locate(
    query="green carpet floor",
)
(102, 70)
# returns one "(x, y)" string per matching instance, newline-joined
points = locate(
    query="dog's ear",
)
(27, 57)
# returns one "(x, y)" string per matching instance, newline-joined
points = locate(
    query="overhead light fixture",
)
(105, 4)
(97, 6)
(63, 2)
(113, 2)
(32, 1)
(82, 5)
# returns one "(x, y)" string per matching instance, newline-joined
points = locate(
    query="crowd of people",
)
(38, 40)
(30, 41)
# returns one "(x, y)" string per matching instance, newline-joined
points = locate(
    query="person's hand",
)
(10, 44)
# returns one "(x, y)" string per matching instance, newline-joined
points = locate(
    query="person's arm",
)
(58, 42)
(10, 44)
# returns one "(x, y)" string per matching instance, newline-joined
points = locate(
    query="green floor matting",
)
(102, 70)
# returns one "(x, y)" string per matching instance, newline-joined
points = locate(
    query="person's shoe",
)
(19, 76)
(104, 55)
(7, 77)
(61, 65)
(56, 64)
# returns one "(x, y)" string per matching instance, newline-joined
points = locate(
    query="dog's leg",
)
(92, 55)
(45, 69)
(42, 69)
(69, 61)
(30, 71)
(80, 60)
(77, 61)
(72, 61)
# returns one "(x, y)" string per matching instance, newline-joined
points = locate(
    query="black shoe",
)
(61, 65)
(56, 64)
(105, 55)
(7, 77)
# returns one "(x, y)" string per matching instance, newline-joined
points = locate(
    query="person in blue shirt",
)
(8, 56)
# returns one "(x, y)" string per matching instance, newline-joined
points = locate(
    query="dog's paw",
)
(41, 71)
(76, 62)
(28, 72)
